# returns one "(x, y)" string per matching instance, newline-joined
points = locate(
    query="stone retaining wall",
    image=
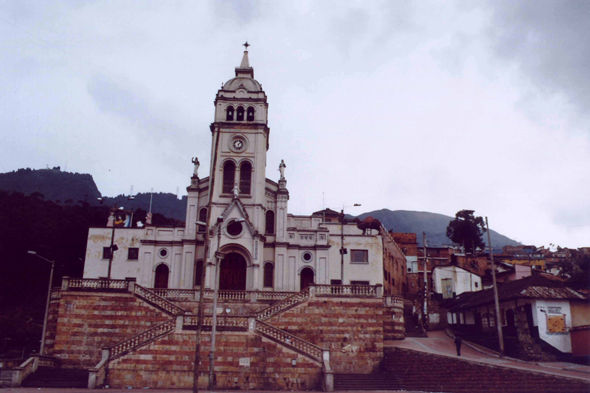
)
(88, 321)
(169, 363)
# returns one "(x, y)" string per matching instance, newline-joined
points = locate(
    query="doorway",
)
(306, 278)
(162, 274)
(232, 276)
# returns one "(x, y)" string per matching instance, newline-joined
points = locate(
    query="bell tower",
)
(240, 140)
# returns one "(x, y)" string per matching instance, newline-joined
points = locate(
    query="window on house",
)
(106, 253)
(358, 282)
(270, 222)
(240, 114)
(245, 178)
(359, 256)
(269, 275)
(202, 218)
(133, 253)
(229, 174)
(250, 114)
(230, 113)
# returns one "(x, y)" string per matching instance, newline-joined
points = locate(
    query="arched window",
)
(230, 113)
(202, 218)
(198, 273)
(250, 114)
(245, 178)
(270, 222)
(240, 116)
(229, 174)
(269, 275)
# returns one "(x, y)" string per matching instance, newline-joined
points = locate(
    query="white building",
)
(451, 281)
(265, 247)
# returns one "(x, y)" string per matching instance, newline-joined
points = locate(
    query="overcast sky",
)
(430, 106)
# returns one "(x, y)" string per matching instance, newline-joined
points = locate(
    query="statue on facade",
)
(196, 162)
(282, 167)
(236, 190)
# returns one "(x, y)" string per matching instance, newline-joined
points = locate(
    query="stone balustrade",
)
(69, 283)
(29, 366)
(288, 302)
(141, 339)
(287, 339)
(349, 290)
(159, 301)
(231, 322)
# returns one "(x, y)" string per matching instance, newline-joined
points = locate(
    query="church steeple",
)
(244, 69)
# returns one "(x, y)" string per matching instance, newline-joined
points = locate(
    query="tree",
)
(467, 230)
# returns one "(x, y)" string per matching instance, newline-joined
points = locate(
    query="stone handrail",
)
(284, 304)
(93, 283)
(175, 293)
(55, 292)
(23, 371)
(275, 296)
(29, 366)
(348, 290)
(158, 301)
(306, 348)
(97, 375)
(141, 339)
(232, 321)
(228, 295)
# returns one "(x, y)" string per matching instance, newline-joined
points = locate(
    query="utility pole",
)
(425, 280)
(203, 271)
(496, 300)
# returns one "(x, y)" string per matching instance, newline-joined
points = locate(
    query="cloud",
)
(549, 42)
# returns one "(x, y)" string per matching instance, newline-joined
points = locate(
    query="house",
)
(536, 315)
(451, 281)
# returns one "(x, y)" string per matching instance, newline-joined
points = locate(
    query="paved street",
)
(440, 344)
(47, 390)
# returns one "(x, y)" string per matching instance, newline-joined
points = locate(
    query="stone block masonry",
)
(351, 328)
(88, 321)
(243, 361)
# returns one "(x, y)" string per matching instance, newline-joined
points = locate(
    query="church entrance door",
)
(232, 276)
(306, 278)
(162, 274)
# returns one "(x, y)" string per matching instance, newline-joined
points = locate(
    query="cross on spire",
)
(246, 45)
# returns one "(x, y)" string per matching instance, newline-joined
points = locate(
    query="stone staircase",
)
(367, 382)
(436, 373)
(48, 377)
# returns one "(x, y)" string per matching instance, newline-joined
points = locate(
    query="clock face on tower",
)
(237, 144)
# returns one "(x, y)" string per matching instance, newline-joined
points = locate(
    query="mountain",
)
(433, 224)
(69, 188)
(55, 185)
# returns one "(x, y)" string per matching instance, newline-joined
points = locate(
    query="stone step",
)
(366, 382)
(430, 372)
(46, 377)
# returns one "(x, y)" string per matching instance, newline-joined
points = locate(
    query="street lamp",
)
(113, 247)
(42, 350)
(342, 249)
(218, 256)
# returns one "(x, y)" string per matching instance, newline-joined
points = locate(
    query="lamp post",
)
(342, 249)
(42, 349)
(113, 247)
(219, 257)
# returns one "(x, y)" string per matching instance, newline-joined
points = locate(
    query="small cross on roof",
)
(246, 45)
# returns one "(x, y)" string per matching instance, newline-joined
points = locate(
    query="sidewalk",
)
(439, 343)
(54, 390)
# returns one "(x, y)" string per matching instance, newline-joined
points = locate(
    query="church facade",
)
(239, 217)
